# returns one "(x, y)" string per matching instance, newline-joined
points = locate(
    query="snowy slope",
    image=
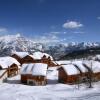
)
(13, 90)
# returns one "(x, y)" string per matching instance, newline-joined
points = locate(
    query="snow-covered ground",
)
(14, 90)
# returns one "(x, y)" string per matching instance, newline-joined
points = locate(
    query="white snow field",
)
(14, 90)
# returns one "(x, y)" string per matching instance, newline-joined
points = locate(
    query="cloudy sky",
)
(52, 20)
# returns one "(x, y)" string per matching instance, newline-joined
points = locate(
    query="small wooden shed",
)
(68, 74)
(34, 74)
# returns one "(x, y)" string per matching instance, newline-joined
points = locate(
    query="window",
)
(30, 82)
(61, 80)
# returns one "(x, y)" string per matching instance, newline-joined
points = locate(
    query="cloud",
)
(72, 25)
(79, 32)
(2, 30)
(98, 17)
(50, 37)
(56, 33)
(46, 39)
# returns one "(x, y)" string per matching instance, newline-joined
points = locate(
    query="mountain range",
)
(10, 43)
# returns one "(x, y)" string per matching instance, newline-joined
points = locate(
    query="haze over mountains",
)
(11, 43)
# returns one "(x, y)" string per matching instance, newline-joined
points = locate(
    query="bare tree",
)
(89, 76)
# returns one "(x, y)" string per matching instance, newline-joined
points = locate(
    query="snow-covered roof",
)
(93, 65)
(3, 64)
(70, 69)
(21, 54)
(80, 65)
(53, 68)
(39, 55)
(63, 62)
(40, 69)
(47, 55)
(6, 62)
(34, 69)
(26, 68)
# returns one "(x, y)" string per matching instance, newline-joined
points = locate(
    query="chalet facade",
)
(68, 74)
(34, 74)
(13, 70)
(9, 64)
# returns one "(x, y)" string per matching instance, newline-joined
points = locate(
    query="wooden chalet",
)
(68, 74)
(79, 71)
(9, 64)
(34, 74)
(19, 55)
(39, 57)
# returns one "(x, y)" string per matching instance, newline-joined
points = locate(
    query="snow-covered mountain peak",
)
(9, 43)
